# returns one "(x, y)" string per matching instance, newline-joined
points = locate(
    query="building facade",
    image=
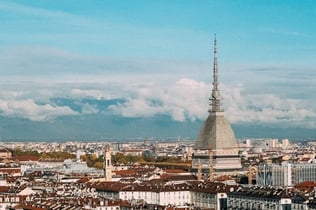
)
(286, 174)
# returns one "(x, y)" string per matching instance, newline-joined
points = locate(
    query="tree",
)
(119, 158)
(98, 165)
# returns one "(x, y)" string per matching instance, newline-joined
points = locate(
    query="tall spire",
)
(216, 99)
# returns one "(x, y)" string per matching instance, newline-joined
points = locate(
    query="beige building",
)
(216, 150)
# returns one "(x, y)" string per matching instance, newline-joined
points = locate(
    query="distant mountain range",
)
(97, 127)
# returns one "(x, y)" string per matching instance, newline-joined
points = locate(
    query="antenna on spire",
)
(215, 67)
(215, 100)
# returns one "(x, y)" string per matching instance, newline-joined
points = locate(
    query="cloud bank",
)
(47, 83)
(184, 99)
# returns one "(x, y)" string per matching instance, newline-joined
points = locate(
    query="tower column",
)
(216, 145)
(107, 165)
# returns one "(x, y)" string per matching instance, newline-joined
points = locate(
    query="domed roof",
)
(216, 133)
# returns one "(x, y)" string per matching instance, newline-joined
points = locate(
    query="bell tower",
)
(107, 165)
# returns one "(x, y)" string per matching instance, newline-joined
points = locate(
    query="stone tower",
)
(107, 165)
(216, 136)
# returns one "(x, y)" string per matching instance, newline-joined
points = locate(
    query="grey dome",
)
(216, 133)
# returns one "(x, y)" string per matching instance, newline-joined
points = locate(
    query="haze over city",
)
(118, 69)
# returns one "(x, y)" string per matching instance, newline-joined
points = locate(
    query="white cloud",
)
(30, 110)
(268, 108)
(187, 99)
(88, 109)
(182, 99)
(93, 93)
(136, 108)
(149, 87)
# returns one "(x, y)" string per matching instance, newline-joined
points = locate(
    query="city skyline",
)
(141, 68)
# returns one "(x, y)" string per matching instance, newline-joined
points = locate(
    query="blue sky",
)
(251, 31)
(142, 59)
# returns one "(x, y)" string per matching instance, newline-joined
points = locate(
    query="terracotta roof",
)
(175, 171)
(10, 170)
(305, 159)
(307, 186)
(125, 172)
(169, 177)
(224, 178)
(109, 186)
(84, 180)
(27, 158)
(4, 189)
(28, 207)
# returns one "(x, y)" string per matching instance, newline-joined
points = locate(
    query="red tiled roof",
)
(169, 177)
(224, 178)
(10, 170)
(111, 186)
(125, 172)
(30, 208)
(305, 159)
(306, 186)
(27, 158)
(84, 180)
(175, 171)
(4, 189)
(165, 176)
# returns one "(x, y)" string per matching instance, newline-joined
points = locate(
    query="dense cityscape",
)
(215, 171)
(135, 105)
(275, 173)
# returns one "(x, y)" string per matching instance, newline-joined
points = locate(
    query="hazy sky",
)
(62, 59)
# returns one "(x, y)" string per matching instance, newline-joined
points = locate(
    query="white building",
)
(157, 194)
(286, 174)
(260, 198)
